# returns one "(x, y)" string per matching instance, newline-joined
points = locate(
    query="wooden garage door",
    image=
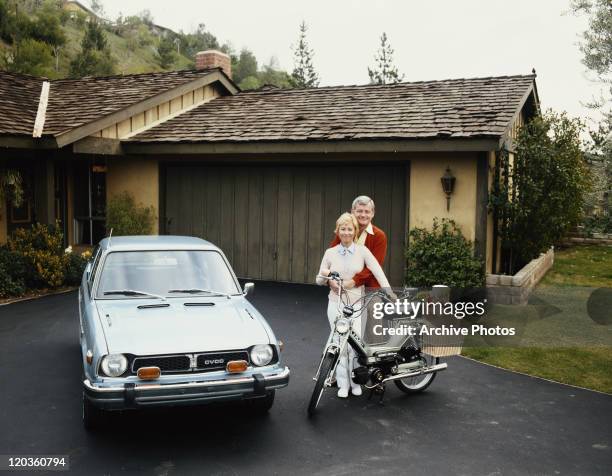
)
(275, 222)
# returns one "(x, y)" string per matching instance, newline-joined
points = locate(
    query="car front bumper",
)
(145, 394)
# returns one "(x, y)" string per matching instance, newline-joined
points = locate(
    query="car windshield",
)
(141, 274)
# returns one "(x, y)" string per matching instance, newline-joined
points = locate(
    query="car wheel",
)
(261, 405)
(93, 417)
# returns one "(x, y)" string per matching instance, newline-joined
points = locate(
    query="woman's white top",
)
(348, 262)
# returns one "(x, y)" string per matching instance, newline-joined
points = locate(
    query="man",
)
(369, 235)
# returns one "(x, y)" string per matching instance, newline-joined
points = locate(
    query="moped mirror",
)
(248, 288)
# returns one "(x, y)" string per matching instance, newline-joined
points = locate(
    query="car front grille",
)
(184, 363)
(166, 363)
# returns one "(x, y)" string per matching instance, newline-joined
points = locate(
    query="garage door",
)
(275, 222)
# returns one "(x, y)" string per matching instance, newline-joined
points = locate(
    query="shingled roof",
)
(19, 95)
(74, 102)
(454, 108)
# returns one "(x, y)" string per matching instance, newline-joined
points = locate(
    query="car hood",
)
(224, 325)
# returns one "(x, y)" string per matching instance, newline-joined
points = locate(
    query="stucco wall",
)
(138, 176)
(427, 200)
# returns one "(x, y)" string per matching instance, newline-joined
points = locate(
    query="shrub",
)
(124, 217)
(442, 256)
(42, 248)
(539, 196)
(13, 270)
(75, 265)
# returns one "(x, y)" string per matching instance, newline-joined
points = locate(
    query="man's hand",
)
(350, 284)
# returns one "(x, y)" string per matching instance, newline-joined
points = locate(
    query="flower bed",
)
(504, 289)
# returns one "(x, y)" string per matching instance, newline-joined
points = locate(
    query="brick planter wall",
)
(503, 289)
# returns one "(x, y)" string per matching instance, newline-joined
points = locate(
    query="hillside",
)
(44, 38)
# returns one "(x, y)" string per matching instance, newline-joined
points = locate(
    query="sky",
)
(432, 39)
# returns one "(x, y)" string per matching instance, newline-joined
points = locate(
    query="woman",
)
(348, 258)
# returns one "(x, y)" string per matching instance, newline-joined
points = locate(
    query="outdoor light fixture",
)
(448, 185)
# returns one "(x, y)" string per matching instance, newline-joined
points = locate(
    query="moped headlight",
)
(113, 365)
(342, 326)
(261, 354)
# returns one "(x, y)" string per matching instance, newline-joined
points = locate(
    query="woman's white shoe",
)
(343, 393)
(356, 390)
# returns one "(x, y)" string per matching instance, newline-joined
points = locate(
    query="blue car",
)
(163, 322)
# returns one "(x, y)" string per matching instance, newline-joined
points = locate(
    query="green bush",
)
(442, 256)
(75, 265)
(42, 248)
(597, 224)
(13, 271)
(125, 217)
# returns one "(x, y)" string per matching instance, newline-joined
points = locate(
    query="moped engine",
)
(363, 375)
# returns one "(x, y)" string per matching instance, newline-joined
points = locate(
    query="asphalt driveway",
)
(473, 420)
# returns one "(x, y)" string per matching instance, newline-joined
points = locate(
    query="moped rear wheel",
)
(421, 382)
(326, 366)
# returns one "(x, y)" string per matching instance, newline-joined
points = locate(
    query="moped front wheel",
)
(326, 366)
(420, 382)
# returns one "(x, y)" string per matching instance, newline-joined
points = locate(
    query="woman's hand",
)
(325, 272)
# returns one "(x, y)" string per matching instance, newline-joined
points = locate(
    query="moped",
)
(399, 360)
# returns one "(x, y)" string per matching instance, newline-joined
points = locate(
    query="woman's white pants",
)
(348, 356)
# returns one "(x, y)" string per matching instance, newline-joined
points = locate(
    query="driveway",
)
(473, 420)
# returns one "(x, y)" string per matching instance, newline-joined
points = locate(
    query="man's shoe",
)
(343, 393)
(356, 390)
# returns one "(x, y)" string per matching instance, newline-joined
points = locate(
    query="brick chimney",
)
(214, 59)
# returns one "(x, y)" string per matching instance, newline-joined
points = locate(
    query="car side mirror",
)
(248, 288)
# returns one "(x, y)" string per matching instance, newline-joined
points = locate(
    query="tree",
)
(166, 52)
(303, 74)
(384, 71)
(29, 56)
(199, 40)
(271, 74)
(244, 66)
(596, 48)
(540, 194)
(597, 40)
(95, 58)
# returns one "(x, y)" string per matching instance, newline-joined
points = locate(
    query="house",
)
(75, 8)
(263, 174)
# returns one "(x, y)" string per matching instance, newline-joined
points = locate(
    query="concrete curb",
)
(31, 298)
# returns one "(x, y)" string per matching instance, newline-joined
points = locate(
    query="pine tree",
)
(384, 72)
(95, 58)
(304, 74)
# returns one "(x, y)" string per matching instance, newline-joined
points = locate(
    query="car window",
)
(158, 272)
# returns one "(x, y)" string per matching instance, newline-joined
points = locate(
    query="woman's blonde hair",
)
(347, 218)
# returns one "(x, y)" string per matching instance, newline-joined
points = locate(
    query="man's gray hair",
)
(362, 200)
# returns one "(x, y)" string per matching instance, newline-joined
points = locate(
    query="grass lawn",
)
(582, 350)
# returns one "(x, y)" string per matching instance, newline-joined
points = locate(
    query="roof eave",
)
(477, 144)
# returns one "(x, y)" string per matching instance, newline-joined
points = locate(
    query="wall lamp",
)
(448, 185)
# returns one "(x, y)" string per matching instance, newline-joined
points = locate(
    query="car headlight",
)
(342, 326)
(261, 354)
(114, 365)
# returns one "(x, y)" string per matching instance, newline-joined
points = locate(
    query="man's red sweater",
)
(377, 244)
